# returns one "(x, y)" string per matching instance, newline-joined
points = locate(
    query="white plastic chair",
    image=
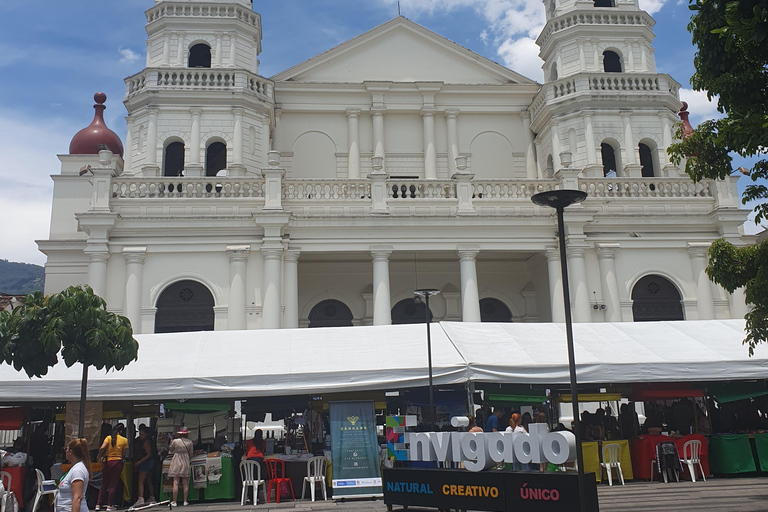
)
(611, 461)
(693, 448)
(40, 492)
(5, 489)
(250, 473)
(315, 474)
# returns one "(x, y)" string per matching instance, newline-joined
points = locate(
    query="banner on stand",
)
(354, 449)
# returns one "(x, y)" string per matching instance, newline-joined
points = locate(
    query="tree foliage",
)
(732, 64)
(733, 267)
(74, 323)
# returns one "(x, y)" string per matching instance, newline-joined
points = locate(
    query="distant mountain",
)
(20, 278)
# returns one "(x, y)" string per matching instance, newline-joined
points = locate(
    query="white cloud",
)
(522, 56)
(128, 55)
(652, 6)
(699, 105)
(25, 167)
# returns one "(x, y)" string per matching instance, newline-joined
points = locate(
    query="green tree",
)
(732, 65)
(73, 323)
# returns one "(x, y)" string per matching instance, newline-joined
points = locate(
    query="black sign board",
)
(494, 491)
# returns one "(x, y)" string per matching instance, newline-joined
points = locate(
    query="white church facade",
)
(325, 195)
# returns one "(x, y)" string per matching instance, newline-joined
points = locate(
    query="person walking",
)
(182, 450)
(112, 452)
(71, 495)
(144, 466)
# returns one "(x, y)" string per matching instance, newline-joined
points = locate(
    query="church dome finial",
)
(683, 114)
(88, 140)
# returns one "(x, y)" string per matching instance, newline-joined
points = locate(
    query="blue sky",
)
(53, 59)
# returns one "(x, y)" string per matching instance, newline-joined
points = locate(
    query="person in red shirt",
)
(254, 450)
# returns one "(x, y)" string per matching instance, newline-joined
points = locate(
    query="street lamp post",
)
(559, 200)
(426, 293)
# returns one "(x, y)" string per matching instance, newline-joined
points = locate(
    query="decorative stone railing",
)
(326, 190)
(189, 9)
(503, 189)
(400, 189)
(198, 79)
(644, 187)
(170, 187)
(597, 17)
(611, 83)
(402, 197)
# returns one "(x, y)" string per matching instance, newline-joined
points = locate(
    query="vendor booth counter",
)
(592, 452)
(643, 451)
(224, 489)
(739, 453)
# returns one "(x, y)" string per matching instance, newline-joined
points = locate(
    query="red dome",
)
(88, 140)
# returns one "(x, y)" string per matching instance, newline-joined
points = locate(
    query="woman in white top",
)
(71, 495)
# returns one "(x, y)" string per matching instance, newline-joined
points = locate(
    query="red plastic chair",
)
(276, 472)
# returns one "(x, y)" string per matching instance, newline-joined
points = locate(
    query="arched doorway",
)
(493, 310)
(330, 313)
(215, 158)
(611, 62)
(184, 306)
(173, 159)
(655, 298)
(408, 311)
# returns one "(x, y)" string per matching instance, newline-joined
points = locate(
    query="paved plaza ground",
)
(716, 494)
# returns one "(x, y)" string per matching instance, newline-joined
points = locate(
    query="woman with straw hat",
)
(182, 450)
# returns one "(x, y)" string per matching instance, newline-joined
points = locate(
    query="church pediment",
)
(401, 51)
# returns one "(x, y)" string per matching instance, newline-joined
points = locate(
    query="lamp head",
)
(425, 292)
(559, 199)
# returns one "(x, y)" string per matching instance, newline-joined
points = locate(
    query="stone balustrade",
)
(188, 9)
(198, 79)
(180, 187)
(608, 16)
(644, 187)
(403, 196)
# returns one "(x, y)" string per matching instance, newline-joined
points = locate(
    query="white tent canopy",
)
(241, 364)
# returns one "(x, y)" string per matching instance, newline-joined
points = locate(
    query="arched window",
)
(173, 159)
(493, 310)
(611, 62)
(609, 159)
(330, 313)
(408, 311)
(646, 160)
(200, 56)
(604, 3)
(215, 158)
(553, 72)
(184, 306)
(654, 298)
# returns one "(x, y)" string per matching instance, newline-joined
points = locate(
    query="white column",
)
(738, 303)
(452, 134)
(430, 154)
(582, 57)
(556, 146)
(353, 138)
(237, 142)
(382, 307)
(291, 289)
(589, 138)
(134, 279)
(666, 130)
(266, 145)
(166, 51)
(219, 50)
(629, 139)
(232, 49)
(194, 140)
(606, 257)
(597, 63)
(470, 296)
(530, 148)
(577, 271)
(152, 138)
(236, 314)
(705, 305)
(555, 284)
(270, 313)
(180, 57)
(97, 269)
(128, 155)
(378, 133)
